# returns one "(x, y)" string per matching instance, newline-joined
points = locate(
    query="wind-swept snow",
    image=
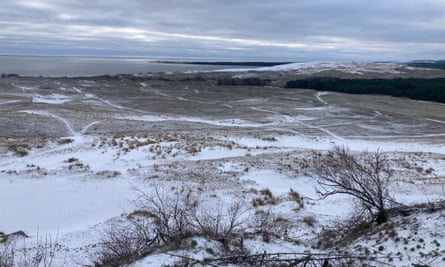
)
(61, 204)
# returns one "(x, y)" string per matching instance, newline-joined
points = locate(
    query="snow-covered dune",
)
(347, 67)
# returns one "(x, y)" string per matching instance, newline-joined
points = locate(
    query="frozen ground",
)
(76, 153)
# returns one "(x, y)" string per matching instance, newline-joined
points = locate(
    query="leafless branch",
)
(365, 177)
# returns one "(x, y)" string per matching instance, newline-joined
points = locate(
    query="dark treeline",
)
(420, 89)
(251, 81)
(440, 64)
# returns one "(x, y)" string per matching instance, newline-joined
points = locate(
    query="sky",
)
(378, 30)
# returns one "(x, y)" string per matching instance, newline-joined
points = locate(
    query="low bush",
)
(268, 225)
(20, 150)
(125, 242)
(164, 219)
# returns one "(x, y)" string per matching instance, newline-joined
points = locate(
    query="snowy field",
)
(77, 155)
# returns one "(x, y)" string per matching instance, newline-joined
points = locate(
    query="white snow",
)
(61, 204)
(9, 102)
(51, 99)
(71, 204)
(226, 122)
(326, 143)
(270, 179)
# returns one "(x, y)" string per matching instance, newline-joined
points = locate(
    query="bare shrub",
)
(221, 222)
(164, 219)
(267, 224)
(365, 177)
(42, 254)
(125, 241)
(176, 215)
(6, 256)
(173, 211)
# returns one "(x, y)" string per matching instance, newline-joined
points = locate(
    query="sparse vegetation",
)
(7, 256)
(309, 220)
(20, 150)
(125, 241)
(164, 219)
(41, 255)
(64, 141)
(268, 225)
(266, 198)
(108, 174)
(296, 198)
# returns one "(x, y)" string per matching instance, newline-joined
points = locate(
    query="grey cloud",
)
(305, 29)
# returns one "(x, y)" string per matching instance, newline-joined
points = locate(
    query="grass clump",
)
(65, 141)
(20, 150)
(296, 197)
(309, 220)
(266, 198)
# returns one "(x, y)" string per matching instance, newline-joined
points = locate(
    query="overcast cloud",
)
(274, 29)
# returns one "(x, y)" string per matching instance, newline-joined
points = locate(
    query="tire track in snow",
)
(10, 102)
(264, 110)
(437, 121)
(85, 128)
(148, 88)
(318, 96)
(290, 119)
(48, 114)
(68, 126)
(109, 103)
(328, 132)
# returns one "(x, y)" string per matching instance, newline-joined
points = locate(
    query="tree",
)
(365, 177)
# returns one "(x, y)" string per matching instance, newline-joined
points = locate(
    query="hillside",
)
(174, 169)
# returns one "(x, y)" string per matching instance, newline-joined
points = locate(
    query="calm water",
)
(89, 66)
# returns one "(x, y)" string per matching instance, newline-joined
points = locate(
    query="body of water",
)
(90, 66)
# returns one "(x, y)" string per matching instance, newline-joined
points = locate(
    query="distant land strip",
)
(440, 64)
(414, 88)
(228, 63)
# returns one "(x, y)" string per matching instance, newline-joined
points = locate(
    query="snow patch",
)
(51, 99)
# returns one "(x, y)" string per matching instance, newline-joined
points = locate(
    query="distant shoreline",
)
(82, 66)
(228, 63)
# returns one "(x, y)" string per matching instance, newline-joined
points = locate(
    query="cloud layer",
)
(287, 29)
